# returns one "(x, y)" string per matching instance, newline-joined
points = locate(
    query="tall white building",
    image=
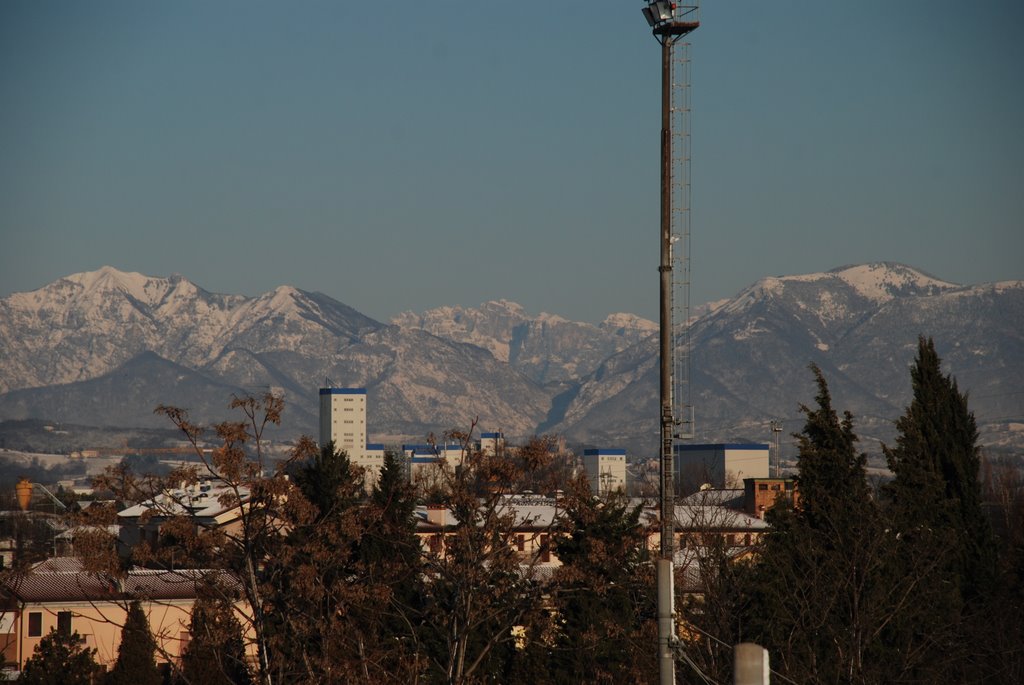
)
(492, 443)
(606, 470)
(343, 419)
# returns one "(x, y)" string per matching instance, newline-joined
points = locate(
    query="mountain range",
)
(104, 348)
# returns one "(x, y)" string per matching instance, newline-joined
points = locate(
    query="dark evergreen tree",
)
(935, 467)
(328, 481)
(390, 550)
(215, 655)
(394, 500)
(822, 591)
(135, 663)
(603, 594)
(61, 659)
(345, 581)
(314, 578)
(935, 504)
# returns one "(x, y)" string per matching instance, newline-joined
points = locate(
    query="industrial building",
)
(723, 465)
(606, 470)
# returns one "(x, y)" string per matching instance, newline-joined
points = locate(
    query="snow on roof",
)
(203, 500)
(728, 497)
(63, 579)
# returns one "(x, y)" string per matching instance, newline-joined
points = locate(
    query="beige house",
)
(59, 594)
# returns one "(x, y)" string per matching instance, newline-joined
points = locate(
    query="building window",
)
(545, 554)
(64, 622)
(521, 542)
(762, 486)
(775, 486)
(35, 624)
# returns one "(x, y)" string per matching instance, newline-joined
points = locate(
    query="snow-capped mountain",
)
(106, 347)
(860, 324)
(544, 348)
(87, 324)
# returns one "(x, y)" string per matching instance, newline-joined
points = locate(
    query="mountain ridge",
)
(430, 371)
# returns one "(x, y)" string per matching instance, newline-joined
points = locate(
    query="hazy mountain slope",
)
(545, 348)
(126, 397)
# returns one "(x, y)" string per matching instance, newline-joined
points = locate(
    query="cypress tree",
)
(935, 504)
(821, 592)
(935, 464)
(216, 654)
(135, 663)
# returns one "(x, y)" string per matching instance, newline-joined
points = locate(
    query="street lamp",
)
(669, 22)
(657, 12)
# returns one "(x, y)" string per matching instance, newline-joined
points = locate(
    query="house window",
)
(184, 638)
(64, 622)
(762, 486)
(545, 554)
(35, 624)
(521, 542)
(775, 486)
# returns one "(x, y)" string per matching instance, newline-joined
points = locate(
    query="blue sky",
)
(406, 155)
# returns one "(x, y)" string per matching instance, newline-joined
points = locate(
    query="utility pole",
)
(669, 23)
(776, 430)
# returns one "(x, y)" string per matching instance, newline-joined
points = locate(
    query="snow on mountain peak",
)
(106, 279)
(280, 300)
(883, 280)
(879, 281)
(625, 320)
(546, 318)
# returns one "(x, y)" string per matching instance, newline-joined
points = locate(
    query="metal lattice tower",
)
(681, 313)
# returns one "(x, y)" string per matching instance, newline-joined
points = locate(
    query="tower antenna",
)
(670, 22)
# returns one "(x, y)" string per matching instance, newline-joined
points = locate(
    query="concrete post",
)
(750, 664)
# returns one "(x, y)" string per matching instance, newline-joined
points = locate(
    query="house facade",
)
(59, 594)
